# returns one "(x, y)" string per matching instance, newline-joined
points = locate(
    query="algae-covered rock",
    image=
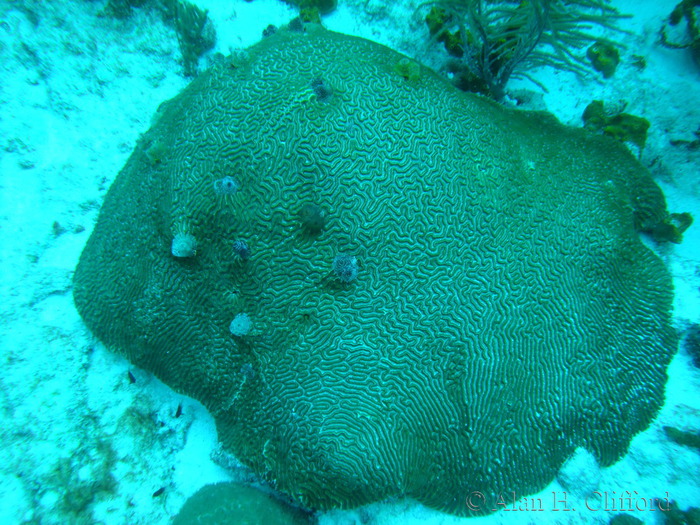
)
(621, 126)
(504, 311)
(604, 57)
(320, 6)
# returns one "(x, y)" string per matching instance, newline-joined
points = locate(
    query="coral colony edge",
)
(434, 293)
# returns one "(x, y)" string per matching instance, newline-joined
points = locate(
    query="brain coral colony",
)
(505, 314)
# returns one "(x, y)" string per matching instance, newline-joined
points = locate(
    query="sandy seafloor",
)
(79, 443)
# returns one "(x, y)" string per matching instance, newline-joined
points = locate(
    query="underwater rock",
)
(236, 504)
(506, 313)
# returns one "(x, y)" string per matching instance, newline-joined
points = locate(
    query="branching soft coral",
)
(503, 39)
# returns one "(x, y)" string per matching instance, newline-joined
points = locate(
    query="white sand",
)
(79, 442)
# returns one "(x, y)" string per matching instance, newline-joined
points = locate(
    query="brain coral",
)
(505, 315)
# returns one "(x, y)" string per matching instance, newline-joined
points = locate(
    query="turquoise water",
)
(89, 438)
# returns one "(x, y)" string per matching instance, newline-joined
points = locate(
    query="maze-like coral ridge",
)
(504, 313)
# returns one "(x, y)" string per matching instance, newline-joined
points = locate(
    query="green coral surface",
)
(505, 311)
